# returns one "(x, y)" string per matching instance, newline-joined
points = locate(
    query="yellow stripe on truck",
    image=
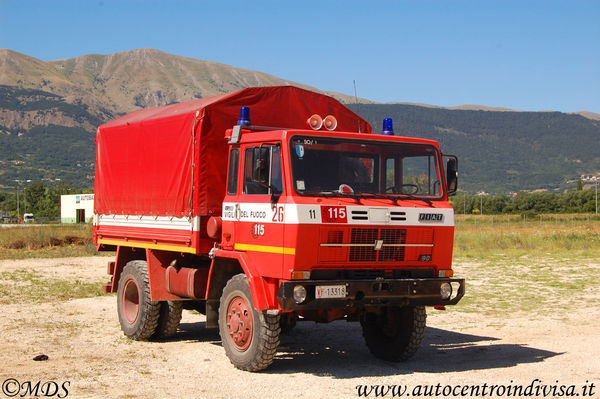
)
(147, 246)
(265, 248)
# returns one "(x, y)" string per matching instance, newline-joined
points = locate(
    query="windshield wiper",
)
(395, 198)
(412, 197)
(332, 194)
(358, 196)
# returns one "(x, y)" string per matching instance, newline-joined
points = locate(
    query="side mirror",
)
(451, 174)
(260, 166)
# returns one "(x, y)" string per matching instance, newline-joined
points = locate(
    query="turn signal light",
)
(299, 275)
(445, 273)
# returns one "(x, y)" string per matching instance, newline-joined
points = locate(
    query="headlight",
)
(445, 290)
(300, 294)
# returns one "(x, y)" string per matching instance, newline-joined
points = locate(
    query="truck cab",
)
(344, 225)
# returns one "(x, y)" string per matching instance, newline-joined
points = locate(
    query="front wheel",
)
(395, 334)
(250, 337)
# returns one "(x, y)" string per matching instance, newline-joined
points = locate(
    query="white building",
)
(76, 208)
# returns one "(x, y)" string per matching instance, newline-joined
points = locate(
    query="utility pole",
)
(596, 198)
(482, 204)
(18, 181)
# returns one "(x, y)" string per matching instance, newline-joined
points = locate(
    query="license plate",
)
(330, 291)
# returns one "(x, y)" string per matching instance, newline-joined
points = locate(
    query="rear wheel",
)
(250, 337)
(396, 333)
(169, 319)
(138, 315)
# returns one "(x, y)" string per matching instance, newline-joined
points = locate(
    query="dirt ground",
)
(87, 349)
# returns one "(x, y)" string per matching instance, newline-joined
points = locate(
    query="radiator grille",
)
(335, 237)
(366, 253)
(392, 236)
(369, 236)
(370, 244)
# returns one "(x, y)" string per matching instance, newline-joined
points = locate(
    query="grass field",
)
(46, 241)
(22, 286)
(562, 237)
(512, 265)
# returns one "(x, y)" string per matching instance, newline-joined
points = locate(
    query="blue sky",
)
(526, 55)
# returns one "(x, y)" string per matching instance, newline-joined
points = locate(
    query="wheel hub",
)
(131, 301)
(239, 323)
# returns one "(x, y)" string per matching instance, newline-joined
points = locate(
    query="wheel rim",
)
(239, 323)
(131, 301)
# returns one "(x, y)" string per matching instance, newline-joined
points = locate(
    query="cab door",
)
(231, 202)
(260, 230)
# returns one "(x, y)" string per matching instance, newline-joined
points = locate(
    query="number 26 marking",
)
(278, 215)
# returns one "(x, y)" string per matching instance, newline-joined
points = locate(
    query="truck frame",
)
(305, 215)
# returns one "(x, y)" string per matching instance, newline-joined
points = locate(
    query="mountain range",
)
(49, 111)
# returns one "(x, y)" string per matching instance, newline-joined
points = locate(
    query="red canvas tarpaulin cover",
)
(144, 159)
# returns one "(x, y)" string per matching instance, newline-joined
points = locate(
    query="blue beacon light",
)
(388, 127)
(244, 117)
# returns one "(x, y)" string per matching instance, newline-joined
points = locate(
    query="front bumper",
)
(365, 293)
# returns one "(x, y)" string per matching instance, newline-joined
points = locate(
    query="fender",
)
(263, 290)
(158, 261)
(124, 255)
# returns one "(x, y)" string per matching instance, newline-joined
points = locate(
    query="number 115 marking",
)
(334, 214)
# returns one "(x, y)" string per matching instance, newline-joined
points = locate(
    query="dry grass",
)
(46, 241)
(528, 267)
(565, 238)
(24, 286)
(525, 218)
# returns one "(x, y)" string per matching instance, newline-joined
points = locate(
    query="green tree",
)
(34, 193)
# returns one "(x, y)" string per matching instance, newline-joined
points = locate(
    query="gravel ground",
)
(90, 357)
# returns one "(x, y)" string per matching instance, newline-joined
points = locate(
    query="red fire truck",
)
(297, 211)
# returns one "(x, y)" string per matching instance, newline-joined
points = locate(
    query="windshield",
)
(360, 168)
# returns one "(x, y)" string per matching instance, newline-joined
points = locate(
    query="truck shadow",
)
(338, 350)
(197, 332)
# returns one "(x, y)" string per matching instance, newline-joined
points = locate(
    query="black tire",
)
(250, 337)
(396, 333)
(169, 319)
(138, 315)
